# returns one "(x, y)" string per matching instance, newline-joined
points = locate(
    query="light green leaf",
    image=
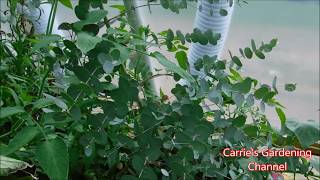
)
(274, 84)
(9, 165)
(307, 133)
(22, 138)
(281, 116)
(238, 99)
(44, 41)
(57, 101)
(10, 111)
(86, 42)
(124, 53)
(170, 66)
(91, 18)
(43, 102)
(106, 62)
(66, 3)
(95, 16)
(119, 7)
(54, 159)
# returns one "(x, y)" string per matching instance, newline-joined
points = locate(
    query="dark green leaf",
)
(273, 42)
(239, 121)
(259, 54)
(237, 61)
(248, 52)
(290, 87)
(223, 12)
(251, 130)
(253, 45)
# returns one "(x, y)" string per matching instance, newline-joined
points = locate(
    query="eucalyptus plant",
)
(77, 108)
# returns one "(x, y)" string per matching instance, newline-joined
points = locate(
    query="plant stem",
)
(52, 16)
(43, 82)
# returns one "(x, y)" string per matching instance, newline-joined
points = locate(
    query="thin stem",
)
(53, 16)
(154, 76)
(43, 82)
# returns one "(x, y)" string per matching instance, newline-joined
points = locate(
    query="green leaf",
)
(243, 87)
(106, 62)
(86, 42)
(253, 45)
(9, 165)
(274, 84)
(251, 130)
(41, 103)
(237, 61)
(66, 3)
(95, 16)
(290, 87)
(137, 163)
(248, 52)
(57, 101)
(239, 121)
(223, 12)
(54, 158)
(170, 35)
(281, 116)
(10, 111)
(121, 8)
(273, 42)
(259, 54)
(180, 37)
(22, 138)
(170, 66)
(90, 18)
(181, 56)
(238, 98)
(307, 133)
(44, 41)
(261, 92)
